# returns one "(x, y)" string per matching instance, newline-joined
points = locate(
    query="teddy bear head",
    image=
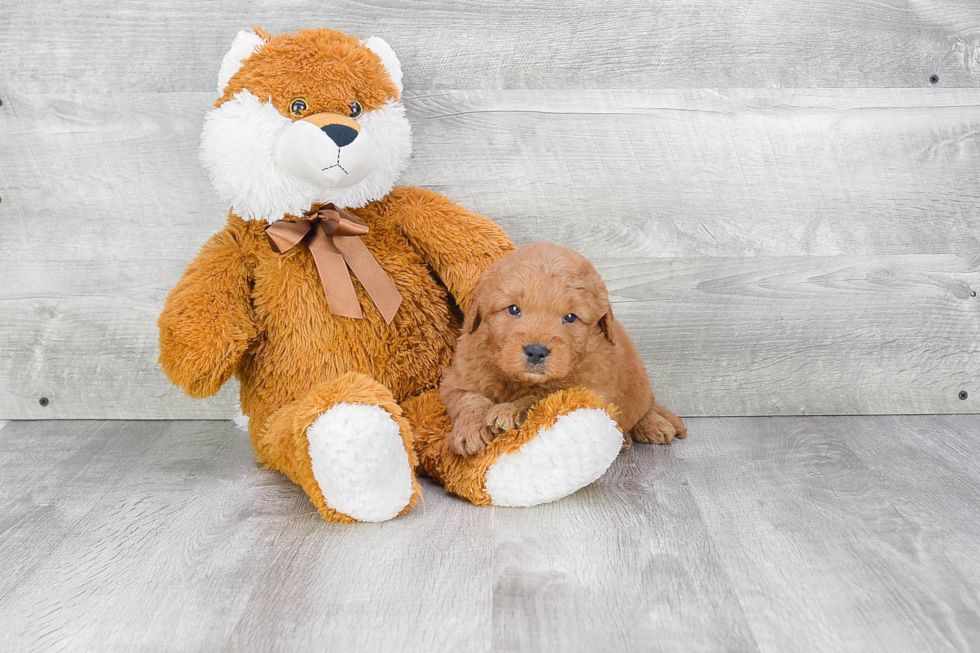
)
(305, 118)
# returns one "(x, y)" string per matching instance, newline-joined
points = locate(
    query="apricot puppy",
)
(541, 321)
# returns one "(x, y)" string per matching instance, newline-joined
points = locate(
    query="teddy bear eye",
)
(568, 319)
(513, 310)
(355, 109)
(297, 106)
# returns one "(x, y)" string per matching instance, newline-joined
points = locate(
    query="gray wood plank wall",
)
(783, 204)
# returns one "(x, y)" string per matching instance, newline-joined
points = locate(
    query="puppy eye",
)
(568, 319)
(297, 106)
(513, 310)
(355, 109)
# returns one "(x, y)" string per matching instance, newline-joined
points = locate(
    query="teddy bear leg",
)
(348, 445)
(568, 441)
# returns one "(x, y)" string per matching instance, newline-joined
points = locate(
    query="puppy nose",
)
(536, 353)
(340, 134)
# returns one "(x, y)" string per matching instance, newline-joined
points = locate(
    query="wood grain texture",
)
(804, 335)
(670, 173)
(626, 562)
(936, 497)
(773, 252)
(105, 46)
(122, 536)
(754, 534)
(798, 335)
(808, 518)
(713, 173)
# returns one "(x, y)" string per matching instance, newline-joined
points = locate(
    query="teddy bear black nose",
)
(340, 134)
(536, 353)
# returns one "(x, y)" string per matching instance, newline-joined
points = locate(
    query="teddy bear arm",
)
(567, 441)
(207, 322)
(459, 245)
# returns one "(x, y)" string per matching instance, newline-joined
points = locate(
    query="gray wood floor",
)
(770, 534)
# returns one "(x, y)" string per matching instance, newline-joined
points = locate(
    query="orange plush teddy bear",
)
(329, 293)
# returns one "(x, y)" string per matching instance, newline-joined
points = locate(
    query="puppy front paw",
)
(505, 417)
(627, 443)
(467, 439)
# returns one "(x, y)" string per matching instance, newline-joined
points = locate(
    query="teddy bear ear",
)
(380, 47)
(244, 45)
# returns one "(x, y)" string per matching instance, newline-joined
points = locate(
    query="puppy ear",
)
(606, 324)
(472, 321)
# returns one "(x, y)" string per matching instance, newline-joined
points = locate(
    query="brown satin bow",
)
(333, 237)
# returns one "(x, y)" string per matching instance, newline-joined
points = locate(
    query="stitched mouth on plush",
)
(305, 152)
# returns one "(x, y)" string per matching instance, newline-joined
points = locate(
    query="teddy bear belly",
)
(302, 345)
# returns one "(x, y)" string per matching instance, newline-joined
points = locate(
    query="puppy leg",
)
(674, 420)
(468, 412)
(656, 428)
(509, 415)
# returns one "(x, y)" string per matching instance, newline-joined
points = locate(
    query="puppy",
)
(541, 321)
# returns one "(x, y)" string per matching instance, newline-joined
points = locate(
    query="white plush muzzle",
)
(306, 153)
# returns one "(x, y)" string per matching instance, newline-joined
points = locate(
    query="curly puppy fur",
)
(540, 322)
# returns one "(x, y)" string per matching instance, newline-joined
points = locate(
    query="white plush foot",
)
(360, 462)
(562, 459)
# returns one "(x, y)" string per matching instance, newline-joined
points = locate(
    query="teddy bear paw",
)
(360, 462)
(561, 459)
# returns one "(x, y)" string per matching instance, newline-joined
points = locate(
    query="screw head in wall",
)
(43, 401)
(934, 79)
(963, 394)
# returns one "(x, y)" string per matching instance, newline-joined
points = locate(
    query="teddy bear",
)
(335, 296)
